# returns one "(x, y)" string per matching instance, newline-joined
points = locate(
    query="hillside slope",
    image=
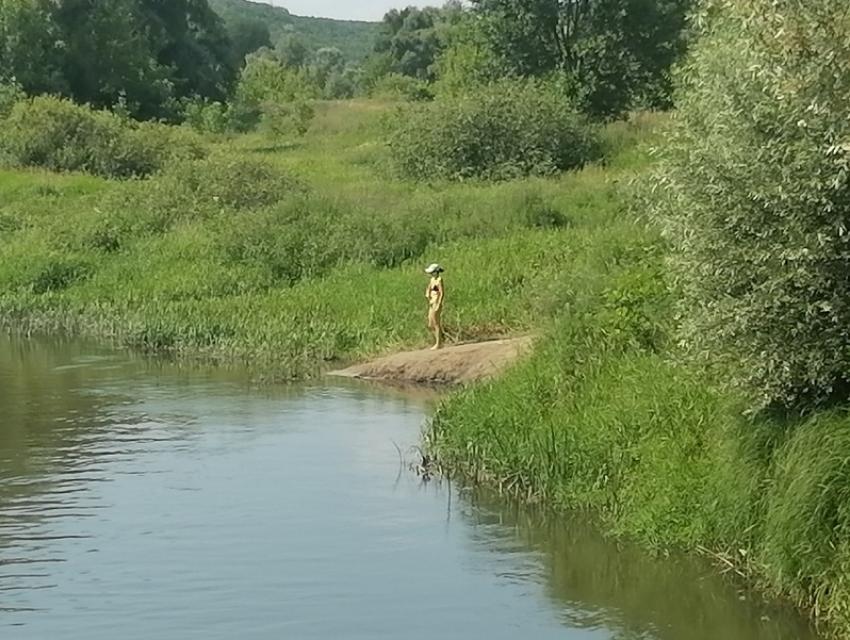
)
(353, 38)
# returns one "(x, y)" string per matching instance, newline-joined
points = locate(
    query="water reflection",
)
(142, 498)
(620, 587)
(51, 445)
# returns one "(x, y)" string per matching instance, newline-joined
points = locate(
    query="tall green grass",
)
(603, 416)
(292, 256)
(589, 423)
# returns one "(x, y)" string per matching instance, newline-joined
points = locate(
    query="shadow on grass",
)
(276, 148)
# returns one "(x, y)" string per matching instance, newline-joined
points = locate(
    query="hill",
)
(353, 38)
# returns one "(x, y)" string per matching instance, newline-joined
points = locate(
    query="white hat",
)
(433, 268)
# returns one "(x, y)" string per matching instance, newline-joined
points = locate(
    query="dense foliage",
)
(293, 254)
(273, 96)
(247, 36)
(302, 253)
(151, 59)
(756, 198)
(411, 39)
(353, 38)
(509, 130)
(468, 60)
(155, 60)
(617, 53)
(752, 195)
(141, 54)
(60, 135)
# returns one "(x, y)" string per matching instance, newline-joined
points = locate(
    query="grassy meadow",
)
(298, 253)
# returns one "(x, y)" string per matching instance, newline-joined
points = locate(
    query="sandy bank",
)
(454, 364)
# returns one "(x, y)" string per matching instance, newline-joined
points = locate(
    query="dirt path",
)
(455, 364)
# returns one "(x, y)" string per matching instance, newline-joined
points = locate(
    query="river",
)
(141, 498)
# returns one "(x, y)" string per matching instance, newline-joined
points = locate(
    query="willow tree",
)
(754, 194)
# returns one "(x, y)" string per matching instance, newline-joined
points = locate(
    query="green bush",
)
(282, 241)
(282, 119)
(503, 131)
(396, 85)
(754, 193)
(273, 95)
(806, 547)
(62, 136)
(31, 266)
(206, 116)
(233, 182)
(11, 94)
(201, 189)
(385, 242)
(58, 274)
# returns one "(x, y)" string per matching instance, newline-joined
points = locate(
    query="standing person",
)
(435, 293)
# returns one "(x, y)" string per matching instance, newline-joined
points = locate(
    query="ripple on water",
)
(140, 499)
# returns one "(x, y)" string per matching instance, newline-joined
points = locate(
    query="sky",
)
(372, 10)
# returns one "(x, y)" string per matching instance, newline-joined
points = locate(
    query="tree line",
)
(150, 58)
(144, 55)
(609, 55)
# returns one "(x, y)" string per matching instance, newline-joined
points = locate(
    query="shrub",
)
(207, 117)
(806, 547)
(11, 94)
(469, 61)
(754, 193)
(499, 132)
(190, 190)
(233, 182)
(396, 85)
(62, 136)
(277, 117)
(283, 241)
(274, 95)
(58, 274)
(537, 212)
(162, 145)
(281, 119)
(340, 85)
(31, 266)
(384, 242)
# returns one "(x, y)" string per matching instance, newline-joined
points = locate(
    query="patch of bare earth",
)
(454, 364)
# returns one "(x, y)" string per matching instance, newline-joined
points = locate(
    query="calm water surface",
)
(140, 499)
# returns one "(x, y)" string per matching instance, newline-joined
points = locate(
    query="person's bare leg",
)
(438, 332)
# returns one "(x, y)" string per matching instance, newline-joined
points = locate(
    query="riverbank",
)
(603, 417)
(451, 365)
(298, 257)
(198, 454)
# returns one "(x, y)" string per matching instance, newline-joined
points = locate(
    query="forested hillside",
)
(354, 39)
